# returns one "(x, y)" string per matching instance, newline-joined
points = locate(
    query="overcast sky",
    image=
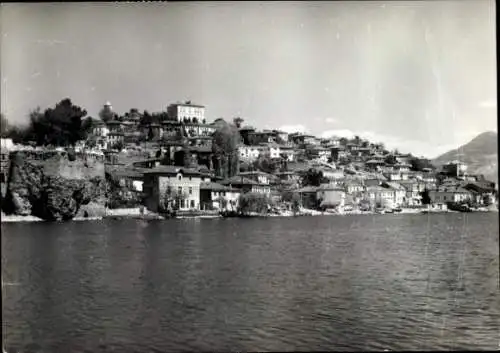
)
(420, 76)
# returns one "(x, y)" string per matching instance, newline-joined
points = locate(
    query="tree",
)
(118, 145)
(265, 164)
(313, 178)
(390, 159)
(58, 126)
(238, 122)
(146, 119)
(253, 203)
(4, 126)
(106, 114)
(343, 141)
(225, 148)
(426, 200)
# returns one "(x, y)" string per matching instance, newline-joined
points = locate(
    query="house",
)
(399, 192)
(218, 196)
(245, 133)
(413, 189)
(303, 139)
(454, 168)
(114, 137)
(449, 193)
(372, 182)
(262, 137)
(171, 185)
(483, 193)
(402, 167)
(250, 153)
(114, 126)
(380, 196)
(271, 150)
(282, 136)
(396, 175)
(330, 196)
(148, 163)
(318, 152)
(131, 178)
(289, 178)
(331, 174)
(184, 111)
(247, 185)
(99, 128)
(308, 196)
(288, 152)
(374, 164)
(257, 176)
(197, 128)
(353, 186)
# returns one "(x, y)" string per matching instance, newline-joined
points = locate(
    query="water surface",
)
(397, 282)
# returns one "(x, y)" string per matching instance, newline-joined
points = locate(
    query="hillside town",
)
(178, 162)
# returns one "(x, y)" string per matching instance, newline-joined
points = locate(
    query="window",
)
(179, 177)
(190, 190)
(2, 178)
(182, 203)
(444, 198)
(179, 190)
(192, 203)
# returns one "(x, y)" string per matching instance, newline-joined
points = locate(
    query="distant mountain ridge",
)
(480, 154)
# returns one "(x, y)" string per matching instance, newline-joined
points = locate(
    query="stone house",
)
(211, 195)
(449, 193)
(182, 185)
(247, 185)
(331, 196)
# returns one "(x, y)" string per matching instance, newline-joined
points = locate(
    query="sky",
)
(418, 76)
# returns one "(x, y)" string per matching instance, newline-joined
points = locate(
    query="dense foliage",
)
(313, 178)
(225, 148)
(253, 202)
(58, 126)
(4, 126)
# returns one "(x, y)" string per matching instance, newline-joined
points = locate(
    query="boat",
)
(397, 210)
(379, 210)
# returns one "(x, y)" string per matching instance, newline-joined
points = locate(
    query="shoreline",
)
(148, 215)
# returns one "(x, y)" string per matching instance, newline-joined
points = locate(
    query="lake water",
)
(397, 282)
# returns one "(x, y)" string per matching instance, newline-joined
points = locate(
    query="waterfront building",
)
(218, 196)
(399, 192)
(449, 193)
(331, 196)
(383, 197)
(181, 185)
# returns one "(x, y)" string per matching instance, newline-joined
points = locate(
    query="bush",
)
(253, 202)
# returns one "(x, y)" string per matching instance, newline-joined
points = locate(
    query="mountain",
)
(480, 155)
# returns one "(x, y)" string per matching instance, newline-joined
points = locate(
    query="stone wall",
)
(52, 187)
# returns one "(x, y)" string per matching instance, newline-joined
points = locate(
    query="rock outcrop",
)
(53, 188)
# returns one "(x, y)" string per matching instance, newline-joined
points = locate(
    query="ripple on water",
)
(323, 283)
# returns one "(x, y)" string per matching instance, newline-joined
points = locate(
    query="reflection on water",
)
(319, 283)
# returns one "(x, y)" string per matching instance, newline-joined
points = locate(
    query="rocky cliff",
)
(54, 188)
